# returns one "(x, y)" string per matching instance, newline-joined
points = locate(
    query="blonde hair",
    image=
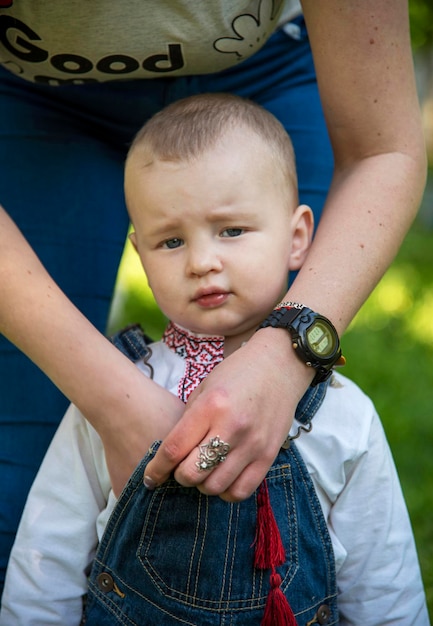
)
(187, 128)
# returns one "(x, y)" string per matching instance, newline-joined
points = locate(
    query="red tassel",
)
(277, 610)
(269, 551)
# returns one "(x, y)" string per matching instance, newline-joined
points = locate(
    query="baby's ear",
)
(133, 239)
(302, 235)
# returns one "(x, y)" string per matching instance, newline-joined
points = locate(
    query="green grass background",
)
(389, 351)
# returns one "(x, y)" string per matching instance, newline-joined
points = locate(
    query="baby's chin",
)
(223, 331)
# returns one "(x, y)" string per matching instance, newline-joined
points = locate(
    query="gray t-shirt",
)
(78, 41)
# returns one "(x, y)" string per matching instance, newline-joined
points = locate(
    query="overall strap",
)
(133, 342)
(310, 402)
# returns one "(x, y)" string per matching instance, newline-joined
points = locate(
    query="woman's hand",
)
(249, 401)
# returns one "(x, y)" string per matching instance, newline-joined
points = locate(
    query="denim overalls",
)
(174, 556)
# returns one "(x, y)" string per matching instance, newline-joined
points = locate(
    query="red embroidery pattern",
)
(200, 353)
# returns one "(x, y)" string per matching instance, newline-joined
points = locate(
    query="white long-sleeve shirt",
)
(349, 461)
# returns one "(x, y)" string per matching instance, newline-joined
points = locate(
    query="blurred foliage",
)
(389, 351)
(398, 375)
(421, 23)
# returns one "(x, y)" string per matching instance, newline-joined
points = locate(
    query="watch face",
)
(321, 339)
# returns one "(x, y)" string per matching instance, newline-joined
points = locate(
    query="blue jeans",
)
(61, 161)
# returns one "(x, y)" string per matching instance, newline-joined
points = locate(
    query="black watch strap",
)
(284, 316)
(274, 318)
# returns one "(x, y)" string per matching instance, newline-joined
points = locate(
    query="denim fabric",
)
(62, 151)
(132, 341)
(174, 556)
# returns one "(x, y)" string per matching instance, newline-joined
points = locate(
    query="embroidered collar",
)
(201, 353)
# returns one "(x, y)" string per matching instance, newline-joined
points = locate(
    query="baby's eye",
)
(172, 243)
(232, 232)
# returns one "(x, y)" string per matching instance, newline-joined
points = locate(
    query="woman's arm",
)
(364, 67)
(108, 389)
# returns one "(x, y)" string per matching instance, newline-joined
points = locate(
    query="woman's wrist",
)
(273, 346)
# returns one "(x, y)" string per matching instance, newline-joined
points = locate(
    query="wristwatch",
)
(314, 338)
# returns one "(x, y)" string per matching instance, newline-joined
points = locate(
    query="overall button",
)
(323, 614)
(106, 583)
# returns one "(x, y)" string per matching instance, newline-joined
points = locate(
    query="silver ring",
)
(212, 454)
